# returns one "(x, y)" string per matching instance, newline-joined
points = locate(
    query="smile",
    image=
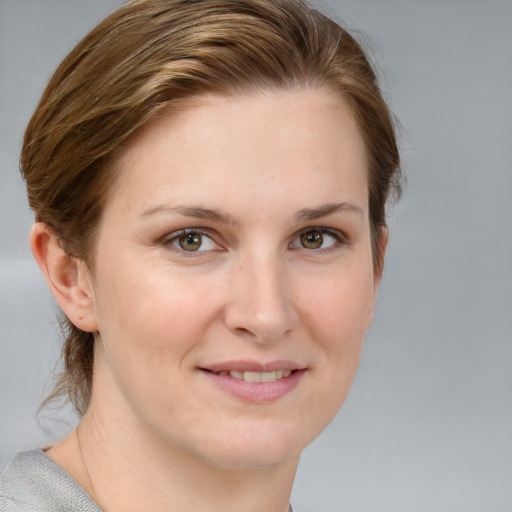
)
(254, 382)
(257, 376)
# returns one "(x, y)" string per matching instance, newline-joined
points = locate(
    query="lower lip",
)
(256, 392)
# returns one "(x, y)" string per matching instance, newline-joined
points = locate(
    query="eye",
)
(192, 241)
(316, 239)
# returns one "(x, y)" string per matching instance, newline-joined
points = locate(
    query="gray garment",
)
(32, 482)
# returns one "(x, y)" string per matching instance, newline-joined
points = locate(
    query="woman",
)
(209, 181)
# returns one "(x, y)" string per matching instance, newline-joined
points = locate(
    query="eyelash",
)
(168, 241)
(339, 238)
(176, 235)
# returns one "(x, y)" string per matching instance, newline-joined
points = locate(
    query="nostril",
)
(259, 322)
(242, 331)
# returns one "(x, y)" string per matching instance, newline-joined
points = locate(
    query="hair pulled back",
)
(144, 60)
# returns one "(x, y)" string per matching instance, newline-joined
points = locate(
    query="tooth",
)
(258, 376)
(252, 376)
(268, 377)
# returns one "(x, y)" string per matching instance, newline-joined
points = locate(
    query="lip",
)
(255, 392)
(253, 366)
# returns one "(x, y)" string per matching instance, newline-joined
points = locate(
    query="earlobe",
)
(68, 278)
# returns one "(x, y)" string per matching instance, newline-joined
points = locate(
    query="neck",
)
(124, 470)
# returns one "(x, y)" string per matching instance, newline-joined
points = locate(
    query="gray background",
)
(428, 424)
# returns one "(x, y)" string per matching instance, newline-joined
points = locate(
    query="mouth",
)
(255, 382)
(251, 376)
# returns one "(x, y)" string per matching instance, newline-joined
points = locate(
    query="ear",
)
(377, 270)
(383, 243)
(69, 279)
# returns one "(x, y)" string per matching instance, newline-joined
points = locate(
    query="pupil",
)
(190, 241)
(312, 240)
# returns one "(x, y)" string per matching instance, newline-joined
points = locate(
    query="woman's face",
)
(235, 247)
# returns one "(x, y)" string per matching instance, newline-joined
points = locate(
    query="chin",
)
(252, 458)
(256, 446)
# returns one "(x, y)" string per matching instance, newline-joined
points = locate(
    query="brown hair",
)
(147, 58)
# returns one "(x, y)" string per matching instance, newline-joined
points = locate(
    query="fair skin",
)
(273, 276)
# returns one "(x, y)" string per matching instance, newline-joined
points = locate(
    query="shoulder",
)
(32, 482)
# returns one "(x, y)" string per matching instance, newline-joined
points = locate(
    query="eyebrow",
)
(216, 215)
(196, 212)
(328, 209)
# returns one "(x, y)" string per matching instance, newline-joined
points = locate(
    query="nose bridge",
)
(260, 304)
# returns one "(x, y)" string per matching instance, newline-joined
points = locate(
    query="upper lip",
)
(253, 366)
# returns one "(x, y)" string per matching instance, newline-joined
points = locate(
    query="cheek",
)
(151, 304)
(336, 316)
(340, 304)
(149, 323)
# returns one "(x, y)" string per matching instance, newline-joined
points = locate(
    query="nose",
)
(260, 306)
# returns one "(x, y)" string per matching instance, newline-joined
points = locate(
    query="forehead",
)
(272, 143)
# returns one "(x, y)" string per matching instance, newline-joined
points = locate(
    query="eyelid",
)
(171, 237)
(341, 239)
(339, 236)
